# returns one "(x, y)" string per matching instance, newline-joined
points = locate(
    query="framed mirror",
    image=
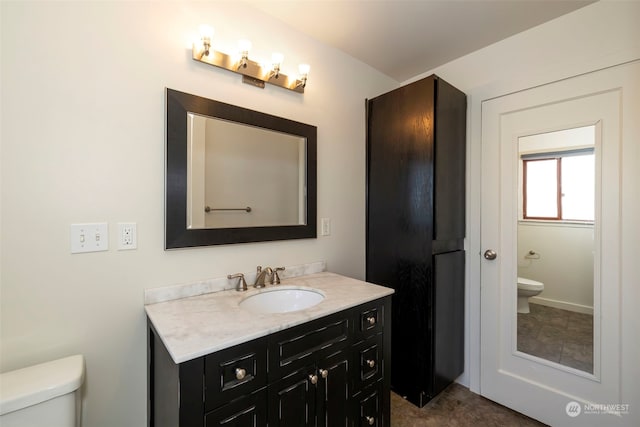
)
(235, 175)
(556, 247)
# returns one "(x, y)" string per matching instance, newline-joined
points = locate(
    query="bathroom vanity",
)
(213, 363)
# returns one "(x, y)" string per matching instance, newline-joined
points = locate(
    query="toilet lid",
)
(529, 285)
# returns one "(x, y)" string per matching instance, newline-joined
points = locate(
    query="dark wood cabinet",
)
(416, 156)
(319, 374)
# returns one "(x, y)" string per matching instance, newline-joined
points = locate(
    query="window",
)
(559, 186)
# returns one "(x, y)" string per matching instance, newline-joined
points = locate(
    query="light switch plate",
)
(92, 237)
(325, 226)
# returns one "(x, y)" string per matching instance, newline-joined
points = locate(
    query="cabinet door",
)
(399, 222)
(292, 400)
(448, 323)
(450, 161)
(249, 411)
(333, 391)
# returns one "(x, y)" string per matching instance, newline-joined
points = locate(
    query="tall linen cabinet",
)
(416, 227)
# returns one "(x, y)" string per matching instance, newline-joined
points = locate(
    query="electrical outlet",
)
(92, 237)
(127, 236)
(325, 226)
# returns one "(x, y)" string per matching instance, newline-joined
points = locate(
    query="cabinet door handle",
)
(371, 320)
(324, 373)
(240, 373)
(313, 379)
(371, 363)
(370, 420)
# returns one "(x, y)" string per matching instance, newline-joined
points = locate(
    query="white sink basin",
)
(282, 300)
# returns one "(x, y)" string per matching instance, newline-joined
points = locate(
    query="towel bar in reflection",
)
(208, 209)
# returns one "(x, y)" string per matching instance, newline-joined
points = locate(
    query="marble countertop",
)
(198, 325)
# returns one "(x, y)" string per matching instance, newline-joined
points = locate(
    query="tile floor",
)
(456, 406)
(557, 335)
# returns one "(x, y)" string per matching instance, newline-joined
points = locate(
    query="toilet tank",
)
(47, 394)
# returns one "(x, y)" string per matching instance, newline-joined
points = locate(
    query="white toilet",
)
(527, 288)
(43, 395)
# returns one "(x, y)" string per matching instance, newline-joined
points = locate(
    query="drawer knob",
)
(371, 363)
(370, 420)
(324, 373)
(313, 379)
(371, 320)
(240, 373)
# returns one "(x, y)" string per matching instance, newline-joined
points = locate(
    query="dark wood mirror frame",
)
(177, 235)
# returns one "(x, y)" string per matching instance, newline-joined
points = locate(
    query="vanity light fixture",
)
(252, 72)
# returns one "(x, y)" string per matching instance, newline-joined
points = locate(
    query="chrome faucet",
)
(261, 275)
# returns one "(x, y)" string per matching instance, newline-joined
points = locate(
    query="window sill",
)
(555, 223)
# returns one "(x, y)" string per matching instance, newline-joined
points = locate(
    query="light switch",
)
(93, 237)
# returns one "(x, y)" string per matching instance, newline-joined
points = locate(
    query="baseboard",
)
(569, 306)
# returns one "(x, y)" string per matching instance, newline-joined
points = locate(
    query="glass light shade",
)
(244, 45)
(206, 31)
(277, 58)
(303, 69)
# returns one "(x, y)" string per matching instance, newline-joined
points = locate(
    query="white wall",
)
(564, 263)
(83, 141)
(597, 36)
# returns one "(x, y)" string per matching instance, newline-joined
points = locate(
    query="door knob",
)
(490, 254)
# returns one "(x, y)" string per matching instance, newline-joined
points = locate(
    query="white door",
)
(546, 389)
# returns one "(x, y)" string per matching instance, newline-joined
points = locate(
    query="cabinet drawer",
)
(303, 345)
(249, 411)
(234, 372)
(370, 320)
(367, 362)
(369, 408)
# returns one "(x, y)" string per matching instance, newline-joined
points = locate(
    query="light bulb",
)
(206, 34)
(206, 31)
(277, 58)
(244, 45)
(303, 69)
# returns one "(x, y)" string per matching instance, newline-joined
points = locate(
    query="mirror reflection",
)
(243, 176)
(235, 175)
(556, 246)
